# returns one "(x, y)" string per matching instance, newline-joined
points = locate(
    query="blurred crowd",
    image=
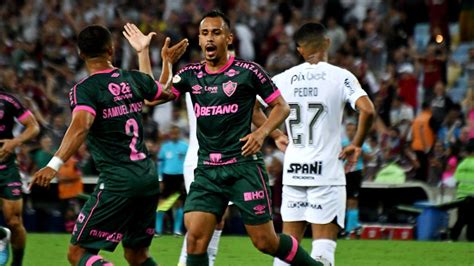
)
(414, 58)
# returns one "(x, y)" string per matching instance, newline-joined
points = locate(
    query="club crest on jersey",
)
(229, 87)
(231, 73)
(196, 89)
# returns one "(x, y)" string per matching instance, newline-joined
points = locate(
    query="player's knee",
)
(265, 244)
(13, 222)
(135, 257)
(74, 255)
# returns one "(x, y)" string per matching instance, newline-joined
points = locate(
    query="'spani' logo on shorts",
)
(229, 87)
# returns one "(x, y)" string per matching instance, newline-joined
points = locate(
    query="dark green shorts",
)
(245, 184)
(10, 183)
(107, 218)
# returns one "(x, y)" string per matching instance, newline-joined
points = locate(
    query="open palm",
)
(136, 38)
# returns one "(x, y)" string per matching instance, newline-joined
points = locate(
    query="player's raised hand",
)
(7, 147)
(173, 53)
(351, 154)
(43, 177)
(136, 38)
(253, 142)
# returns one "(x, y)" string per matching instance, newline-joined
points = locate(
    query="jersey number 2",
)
(295, 121)
(131, 129)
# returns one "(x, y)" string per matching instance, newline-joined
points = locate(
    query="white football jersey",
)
(317, 95)
(191, 158)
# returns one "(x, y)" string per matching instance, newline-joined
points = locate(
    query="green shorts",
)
(107, 218)
(10, 182)
(245, 184)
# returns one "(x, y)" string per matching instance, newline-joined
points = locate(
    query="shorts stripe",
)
(90, 215)
(265, 188)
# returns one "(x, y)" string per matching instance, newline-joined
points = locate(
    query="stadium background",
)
(403, 53)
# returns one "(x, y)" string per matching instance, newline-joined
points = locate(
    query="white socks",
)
(278, 262)
(325, 249)
(211, 249)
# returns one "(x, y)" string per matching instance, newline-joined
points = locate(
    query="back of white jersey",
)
(191, 158)
(317, 95)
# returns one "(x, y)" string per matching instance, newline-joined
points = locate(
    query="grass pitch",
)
(50, 250)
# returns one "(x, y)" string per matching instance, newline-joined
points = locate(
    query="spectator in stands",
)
(408, 85)
(401, 116)
(42, 156)
(69, 187)
(423, 138)
(465, 177)
(281, 59)
(450, 130)
(433, 66)
(440, 104)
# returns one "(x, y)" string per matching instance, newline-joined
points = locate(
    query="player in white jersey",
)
(313, 176)
(191, 160)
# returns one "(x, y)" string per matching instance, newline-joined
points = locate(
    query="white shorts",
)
(316, 205)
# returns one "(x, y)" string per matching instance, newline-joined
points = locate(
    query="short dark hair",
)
(310, 33)
(94, 40)
(217, 14)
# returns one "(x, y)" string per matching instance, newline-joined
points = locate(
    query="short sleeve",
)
(352, 89)
(83, 98)
(264, 85)
(180, 84)
(148, 87)
(18, 109)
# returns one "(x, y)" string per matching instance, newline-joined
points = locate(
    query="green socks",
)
(291, 252)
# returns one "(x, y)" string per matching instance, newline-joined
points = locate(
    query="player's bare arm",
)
(73, 139)
(259, 117)
(253, 141)
(170, 55)
(8, 145)
(366, 116)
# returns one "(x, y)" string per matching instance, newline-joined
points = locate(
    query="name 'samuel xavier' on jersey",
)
(317, 95)
(223, 104)
(116, 97)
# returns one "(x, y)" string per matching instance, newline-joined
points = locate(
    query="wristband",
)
(55, 163)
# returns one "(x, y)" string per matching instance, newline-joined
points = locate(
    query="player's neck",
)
(98, 64)
(316, 58)
(215, 66)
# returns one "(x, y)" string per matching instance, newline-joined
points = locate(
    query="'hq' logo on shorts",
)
(254, 195)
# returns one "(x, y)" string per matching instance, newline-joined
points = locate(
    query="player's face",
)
(214, 37)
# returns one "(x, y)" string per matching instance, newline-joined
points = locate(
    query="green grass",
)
(50, 250)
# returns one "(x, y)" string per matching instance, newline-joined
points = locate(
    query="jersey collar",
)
(104, 71)
(222, 69)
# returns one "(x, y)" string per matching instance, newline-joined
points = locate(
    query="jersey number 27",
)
(295, 121)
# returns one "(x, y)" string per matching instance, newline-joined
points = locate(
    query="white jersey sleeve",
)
(317, 95)
(191, 158)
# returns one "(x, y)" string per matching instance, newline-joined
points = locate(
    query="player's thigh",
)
(10, 184)
(140, 229)
(294, 203)
(102, 222)
(12, 209)
(353, 184)
(206, 193)
(326, 210)
(295, 229)
(250, 192)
